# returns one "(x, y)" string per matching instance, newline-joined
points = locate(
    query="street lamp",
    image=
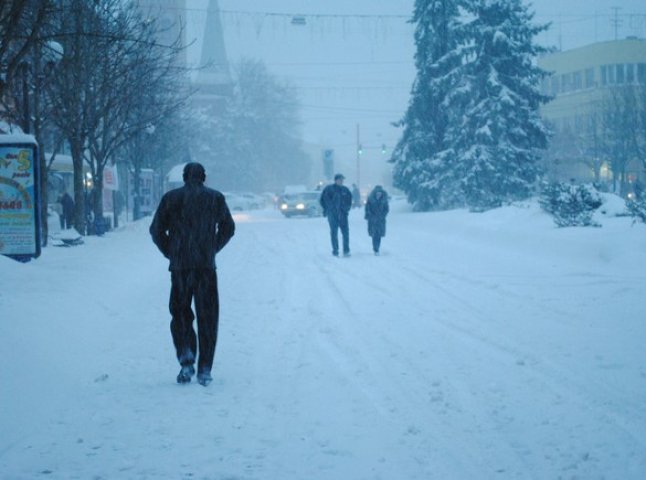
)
(44, 58)
(51, 52)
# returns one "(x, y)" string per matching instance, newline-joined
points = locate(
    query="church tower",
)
(213, 80)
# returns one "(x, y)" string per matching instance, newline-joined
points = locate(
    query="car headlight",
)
(300, 206)
(283, 206)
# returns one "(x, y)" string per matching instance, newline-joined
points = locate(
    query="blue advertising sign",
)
(19, 197)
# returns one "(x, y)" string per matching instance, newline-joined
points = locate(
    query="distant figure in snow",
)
(356, 196)
(375, 212)
(336, 200)
(67, 214)
(191, 225)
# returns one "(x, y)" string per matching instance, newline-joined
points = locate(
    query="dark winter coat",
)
(336, 201)
(68, 208)
(375, 212)
(192, 224)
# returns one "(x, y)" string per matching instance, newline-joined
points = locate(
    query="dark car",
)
(302, 203)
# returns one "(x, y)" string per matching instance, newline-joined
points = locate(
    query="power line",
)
(348, 109)
(326, 64)
(256, 13)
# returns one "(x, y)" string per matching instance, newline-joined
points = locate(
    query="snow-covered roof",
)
(62, 162)
(16, 138)
(175, 173)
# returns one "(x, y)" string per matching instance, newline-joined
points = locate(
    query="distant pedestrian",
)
(356, 196)
(191, 225)
(336, 200)
(375, 212)
(67, 214)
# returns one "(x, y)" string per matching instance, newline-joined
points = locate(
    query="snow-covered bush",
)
(570, 205)
(637, 208)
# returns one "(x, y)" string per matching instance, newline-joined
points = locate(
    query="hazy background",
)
(352, 62)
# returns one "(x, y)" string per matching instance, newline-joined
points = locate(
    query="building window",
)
(577, 81)
(621, 78)
(630, 73)
(641, 73)
(555, 85)
(611, 74)
(566, 82)
(589, 77)
(604, 75)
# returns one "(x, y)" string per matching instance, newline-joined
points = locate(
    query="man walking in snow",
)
(67, 216)
(191, 225)
(336, 200)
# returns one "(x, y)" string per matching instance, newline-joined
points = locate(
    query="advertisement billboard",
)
(19, 197)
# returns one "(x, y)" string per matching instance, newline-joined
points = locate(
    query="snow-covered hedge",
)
(570, 205)
(637, 208)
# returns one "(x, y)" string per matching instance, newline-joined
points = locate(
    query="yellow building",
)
(580, 83)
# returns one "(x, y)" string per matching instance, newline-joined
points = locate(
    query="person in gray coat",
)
(375, 212)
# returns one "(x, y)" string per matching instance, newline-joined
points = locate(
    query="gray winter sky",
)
(352, 61)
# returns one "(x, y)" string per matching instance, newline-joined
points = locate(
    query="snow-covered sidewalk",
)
(488, 346)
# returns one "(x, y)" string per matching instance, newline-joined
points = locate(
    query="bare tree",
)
(27, 56)
(115, 82)
(594, 156)
(21, 22)
(255, 140)
(640, 127)
(71, 89)
(622, 133)
(136, 85)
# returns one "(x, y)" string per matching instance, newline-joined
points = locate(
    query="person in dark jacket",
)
(336, 200)
(67, 215)
(191, 225)
(375, 212)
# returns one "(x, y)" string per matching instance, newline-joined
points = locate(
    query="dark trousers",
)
(376, 243)
(67, 221)
(336, 223)
(201, 286)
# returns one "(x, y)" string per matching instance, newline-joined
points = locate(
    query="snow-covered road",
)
(488, 346)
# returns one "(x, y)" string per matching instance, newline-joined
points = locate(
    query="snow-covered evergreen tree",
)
(420, 157)
(497, 140)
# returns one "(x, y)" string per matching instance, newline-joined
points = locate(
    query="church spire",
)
(214, 66)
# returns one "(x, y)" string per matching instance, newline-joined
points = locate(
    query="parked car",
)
(239, 201)
(301, 203)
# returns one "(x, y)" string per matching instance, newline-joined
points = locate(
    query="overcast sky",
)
(352, 61)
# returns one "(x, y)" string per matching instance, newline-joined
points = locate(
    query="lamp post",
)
(359, 153)
(149, 130)
(24, 72)
(40, 66)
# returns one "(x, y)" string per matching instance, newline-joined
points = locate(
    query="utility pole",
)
(615, 21)
(358, 158)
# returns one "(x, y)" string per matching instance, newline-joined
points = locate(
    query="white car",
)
(239, 201)
(303, 203)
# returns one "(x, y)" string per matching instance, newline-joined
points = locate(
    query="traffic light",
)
(360, 151)
(383, 149)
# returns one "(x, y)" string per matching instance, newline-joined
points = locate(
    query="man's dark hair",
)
(194, 172)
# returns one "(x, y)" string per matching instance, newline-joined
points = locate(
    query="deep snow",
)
(478, 346)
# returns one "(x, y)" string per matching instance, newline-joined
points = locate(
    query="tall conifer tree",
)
(496, 142)
(421, 168)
